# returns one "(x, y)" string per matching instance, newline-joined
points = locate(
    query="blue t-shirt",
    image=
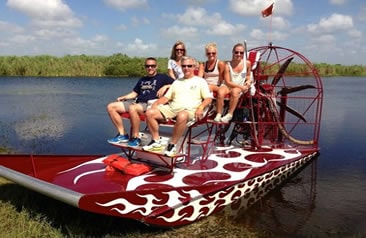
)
(147, 87)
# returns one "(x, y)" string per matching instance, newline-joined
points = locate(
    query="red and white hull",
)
(159, 198)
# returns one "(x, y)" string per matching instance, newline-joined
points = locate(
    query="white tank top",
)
(238, 78)
(212, 77)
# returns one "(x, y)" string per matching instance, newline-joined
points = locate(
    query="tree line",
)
(121, 65)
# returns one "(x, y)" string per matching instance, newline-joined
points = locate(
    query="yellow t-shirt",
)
(187, 94)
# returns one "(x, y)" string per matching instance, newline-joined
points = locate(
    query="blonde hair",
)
(210, 45)
(173, 54)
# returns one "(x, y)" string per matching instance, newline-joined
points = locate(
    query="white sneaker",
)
(171, 150)
(154, 146)
(226, 118)
(218, 117)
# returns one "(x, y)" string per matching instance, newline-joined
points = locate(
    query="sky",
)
(324, 31)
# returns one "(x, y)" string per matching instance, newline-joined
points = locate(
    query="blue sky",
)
(330, 31)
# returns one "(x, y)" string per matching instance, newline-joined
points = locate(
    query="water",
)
(68, 116)
(58, 115)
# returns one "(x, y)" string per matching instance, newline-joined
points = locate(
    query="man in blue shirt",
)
(149, 87)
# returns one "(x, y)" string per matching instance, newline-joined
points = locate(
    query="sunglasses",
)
(150, 66)
(211, 53)
(180, 50)
(239, 52)
(187, 65)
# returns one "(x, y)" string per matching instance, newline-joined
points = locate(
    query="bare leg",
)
(179, 127)
(234, 99)
(153, 116)
(221, 93)
(114, 109)
(134, 111)
(213, 88)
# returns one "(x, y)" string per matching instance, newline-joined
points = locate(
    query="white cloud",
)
(336, 22)
(100, 38)
(47, 34)
(198, 16)
(22, 39)
(50, 9)
(225, 28)
(60, 27)
(139, 45)
(10, 27)
(247, 7)
(362, 14)
(325, 39)
(279, 22)
(355, 33)
(50, 23)
(254, 7)
(179, 31)
(257, 35)
(135, 21)
(126, 4)
(337, 2)
(46, 13)
(121, 27)
(146, 21)
(279, 36)
(194, 16)
(214, 23)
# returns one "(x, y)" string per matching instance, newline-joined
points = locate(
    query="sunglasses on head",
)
(150, 66)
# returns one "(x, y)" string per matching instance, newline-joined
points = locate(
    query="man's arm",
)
(162, 100)
(163, 90)
(131, 95)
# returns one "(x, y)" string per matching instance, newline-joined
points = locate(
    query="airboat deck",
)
(157, 198)
(216, 165)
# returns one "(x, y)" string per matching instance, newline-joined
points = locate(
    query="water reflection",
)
(284, 211)
(58, 115)
(67, 116)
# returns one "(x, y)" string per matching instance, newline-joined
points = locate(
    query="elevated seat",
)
(200, 134)
(192, 137)
(243, 118)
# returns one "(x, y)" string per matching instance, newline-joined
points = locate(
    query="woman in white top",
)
(174, 69)
(237, 80)
(213, 69)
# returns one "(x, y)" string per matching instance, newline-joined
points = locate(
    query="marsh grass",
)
(24, 213)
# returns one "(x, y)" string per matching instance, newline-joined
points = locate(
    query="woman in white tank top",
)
(213, 69)
(178, 51)
(237, 80)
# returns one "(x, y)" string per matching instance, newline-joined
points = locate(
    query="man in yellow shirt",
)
(185, 100)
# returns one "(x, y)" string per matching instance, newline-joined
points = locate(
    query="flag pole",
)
(270, 29)
(269, 12)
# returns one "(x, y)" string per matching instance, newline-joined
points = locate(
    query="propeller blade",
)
(287, 90)
(281, 71)
(291, 110)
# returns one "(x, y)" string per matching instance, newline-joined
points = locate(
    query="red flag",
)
(268, 11)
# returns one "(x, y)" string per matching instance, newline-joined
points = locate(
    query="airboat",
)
(274, 133)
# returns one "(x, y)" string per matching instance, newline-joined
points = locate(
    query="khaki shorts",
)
(169, 113)
(127, 104)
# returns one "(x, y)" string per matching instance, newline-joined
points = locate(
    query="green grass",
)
(24, 213)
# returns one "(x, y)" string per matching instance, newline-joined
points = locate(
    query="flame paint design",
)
(198, 203)
(180, 174)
